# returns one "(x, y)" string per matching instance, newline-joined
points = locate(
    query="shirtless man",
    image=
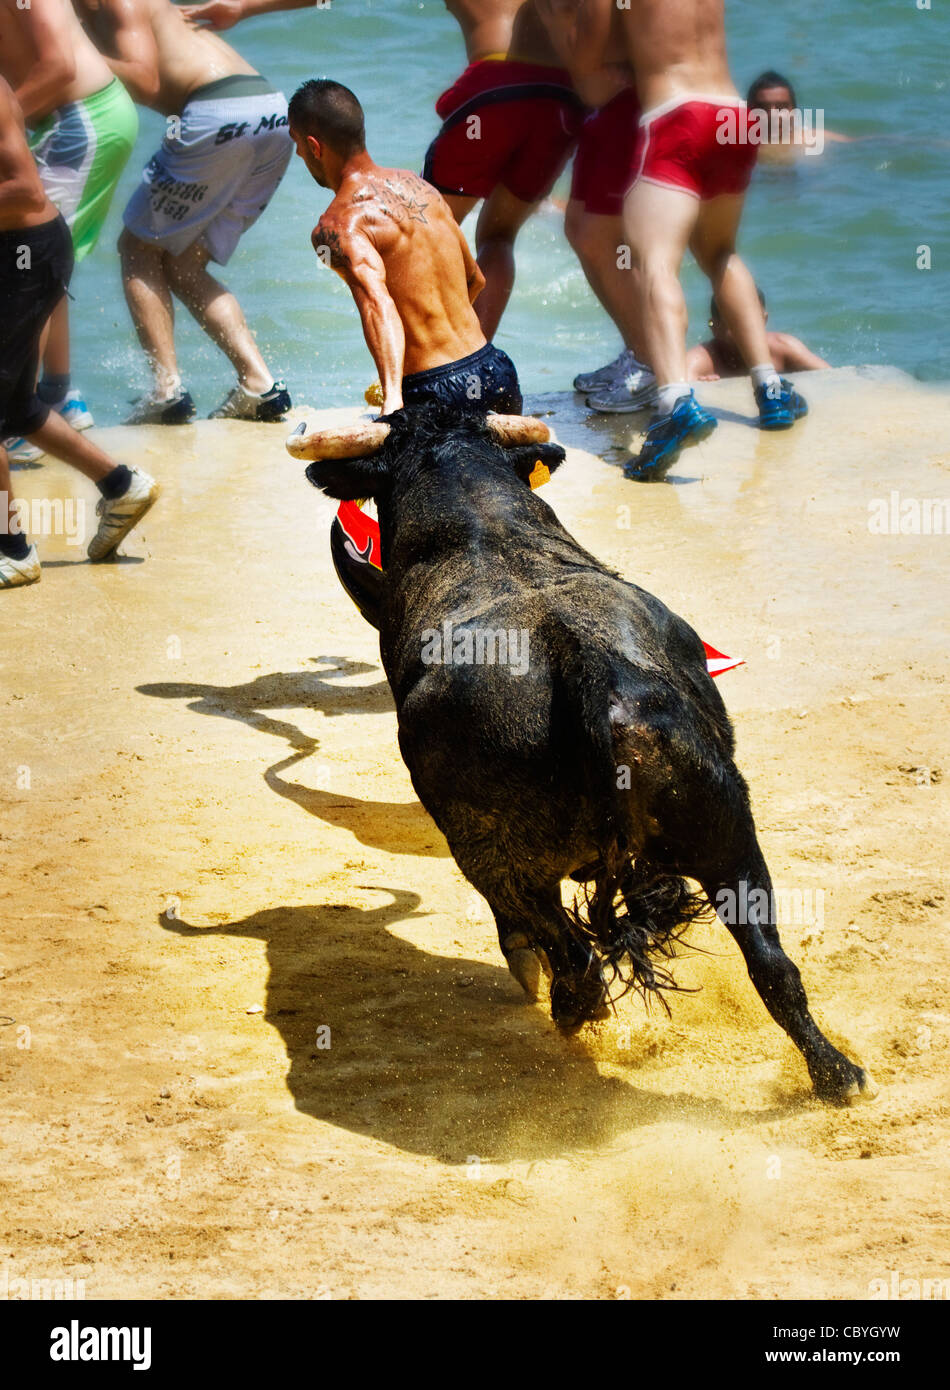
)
(84, 126)
(719, 357)
(226, 150)
(604, 168)
(509, 123)
(393, 240)
(36, 259)
(693, 171)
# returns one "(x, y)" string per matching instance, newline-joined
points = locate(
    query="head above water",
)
(327, 126)
(716, 322)
(771, 92)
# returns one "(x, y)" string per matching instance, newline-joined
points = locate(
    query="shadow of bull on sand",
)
(431, 1054)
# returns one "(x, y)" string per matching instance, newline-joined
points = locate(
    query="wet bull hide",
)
(559, 722)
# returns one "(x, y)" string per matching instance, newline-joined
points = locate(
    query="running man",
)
(36, 260)
(226, 150)
(719, 357)
(693, 170)
(508, 126)
(84, 126)
(393, 240)
(604, 168)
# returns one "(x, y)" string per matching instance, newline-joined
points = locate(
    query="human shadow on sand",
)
(431, 1054)
(399, 827)
(247, 703)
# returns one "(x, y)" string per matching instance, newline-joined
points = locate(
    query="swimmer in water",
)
(720, 357)
(791, 132)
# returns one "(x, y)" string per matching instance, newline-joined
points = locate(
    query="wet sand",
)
(214, 866)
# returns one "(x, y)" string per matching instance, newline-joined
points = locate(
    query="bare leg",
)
(499, 221)
(145, 281)
(714, 246)
(459, 207)
(658, 223)
(63, 442)
(6, 495)
(595, 240)
(219, 314)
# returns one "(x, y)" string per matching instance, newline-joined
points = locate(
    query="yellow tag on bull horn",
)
(373, 395)
(539, 475)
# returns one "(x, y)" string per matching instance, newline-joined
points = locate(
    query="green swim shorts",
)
(80, 151)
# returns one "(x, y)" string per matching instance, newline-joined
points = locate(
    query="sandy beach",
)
(257, 1037)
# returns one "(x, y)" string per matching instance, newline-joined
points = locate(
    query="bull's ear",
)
(534, 463)
(349, 479)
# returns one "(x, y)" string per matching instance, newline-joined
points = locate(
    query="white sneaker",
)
(635, 392)
(118, 516)
(75, 412)
(22, 451)
(14, 573)
(622, 365)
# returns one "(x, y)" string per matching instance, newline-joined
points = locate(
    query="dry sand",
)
(204, 728)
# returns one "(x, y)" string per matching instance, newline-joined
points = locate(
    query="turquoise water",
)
(833, 242)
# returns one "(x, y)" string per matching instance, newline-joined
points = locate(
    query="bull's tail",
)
(634, 919)
(633, 913)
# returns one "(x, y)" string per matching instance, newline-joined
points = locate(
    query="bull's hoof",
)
(525, 963)
(845, 1085)
(576, 1000)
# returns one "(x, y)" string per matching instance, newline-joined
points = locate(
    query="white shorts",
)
(215, 175)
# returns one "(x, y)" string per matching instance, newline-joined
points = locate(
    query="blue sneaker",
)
(21, 450)
(668, 434)
(779, 411)
(75, 411)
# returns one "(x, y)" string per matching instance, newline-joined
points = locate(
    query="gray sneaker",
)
(118, 516)
(175, 410)
(14, 573)
(622, 365)
(240, 404)
(635, 392)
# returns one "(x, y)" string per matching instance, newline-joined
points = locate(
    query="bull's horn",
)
(340, 442)
(367, 436)
(518, 429)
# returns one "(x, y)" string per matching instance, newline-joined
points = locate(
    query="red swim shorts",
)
(504, 123)
(698, 144)
(608, 154)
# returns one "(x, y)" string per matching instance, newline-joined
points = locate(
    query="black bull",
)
(602, 752)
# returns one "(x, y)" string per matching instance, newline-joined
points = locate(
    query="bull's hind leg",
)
(538, 935)
(746, 904)
(525, 960)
